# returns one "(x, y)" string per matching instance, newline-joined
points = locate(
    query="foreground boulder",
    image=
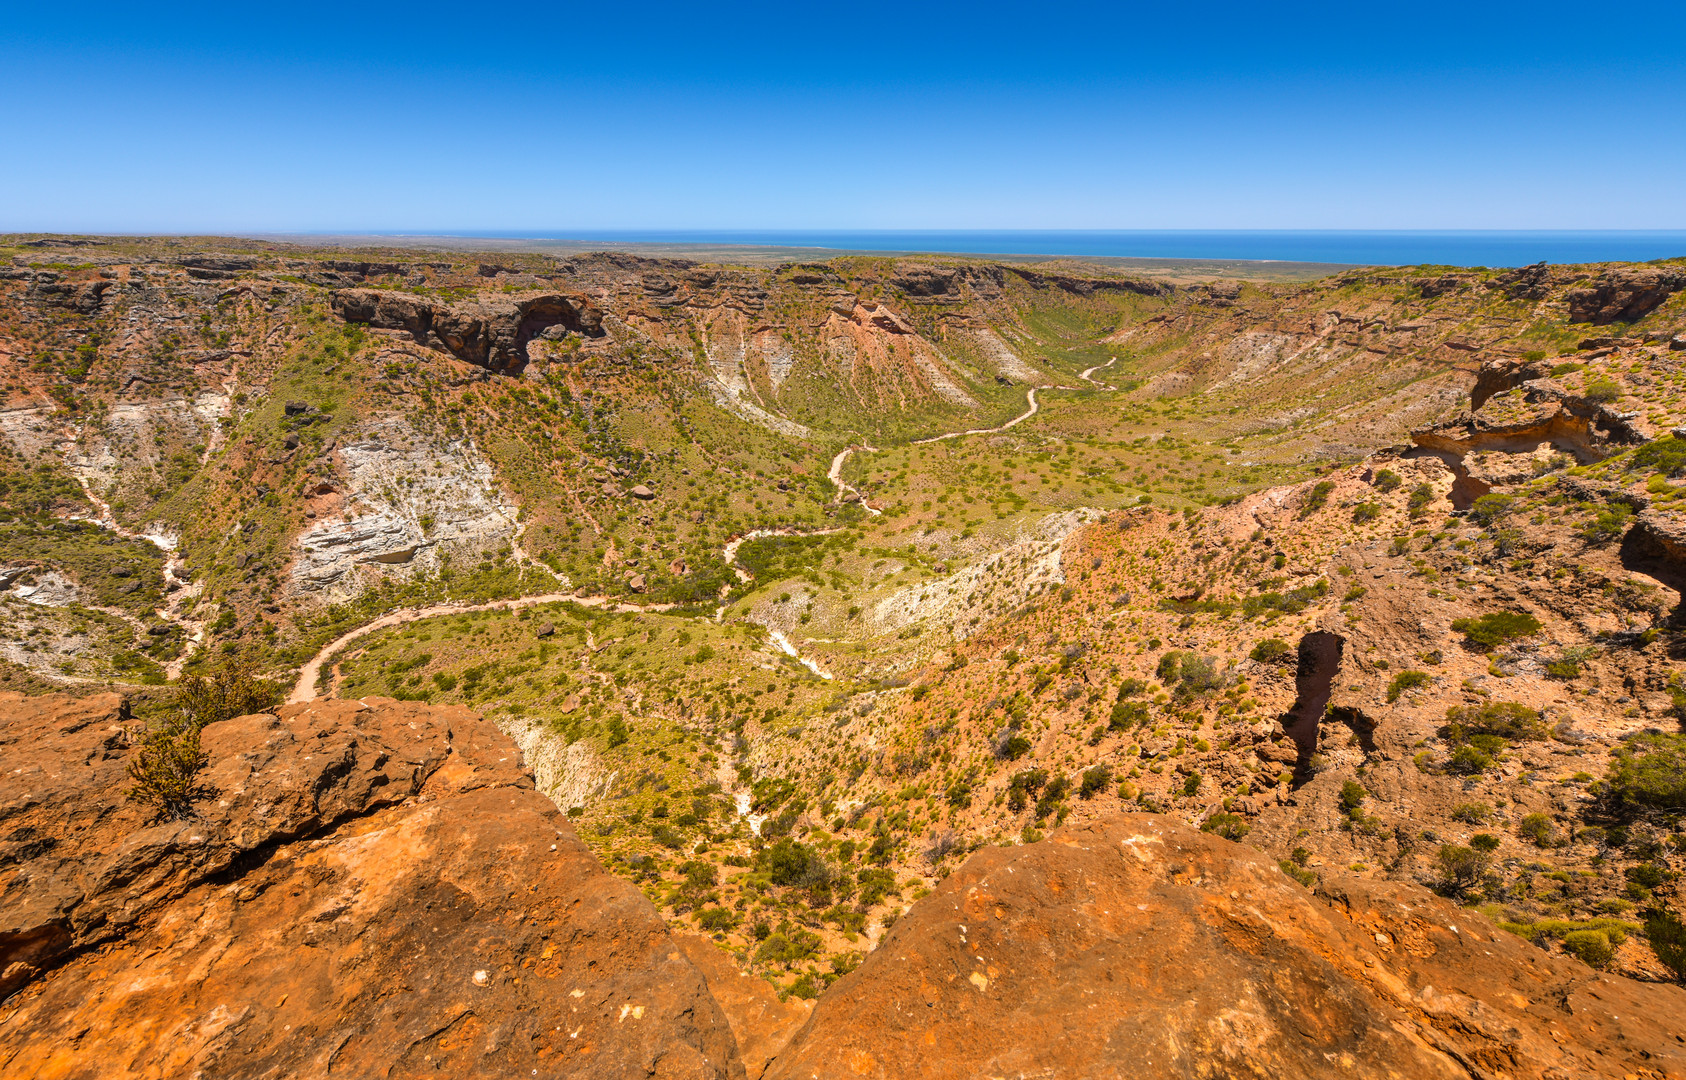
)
(370, 889)
(1139, 947)
(374, 888)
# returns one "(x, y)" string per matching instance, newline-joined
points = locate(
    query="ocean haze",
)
(1322, 246)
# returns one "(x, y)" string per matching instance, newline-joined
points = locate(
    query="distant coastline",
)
(1497, 248)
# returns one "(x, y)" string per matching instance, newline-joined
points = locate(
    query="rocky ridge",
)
(374, 887)
(366, 887)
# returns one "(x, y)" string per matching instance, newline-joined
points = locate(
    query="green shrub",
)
(1352, 795)
(1486, 843)
(1272, 651)
(1421, 497)
(667, 836)
(1305, 877)
(1461, 868)
(1472, 813)
(790, 864)
(1130, 688)
(1406, 680)
(1387, 480)
(1496, 628)
(1509, 721)
(1015, 747)
(1052, 796)
(875, 883)
(1607, 524)
(1366, 512)
(1095, 781)
(165, 768)
(1667, 935)
(1191, 784)
(1490, 508)
(1602, 390)
(1316, 498)
(1648, 875)
(1126, 715)
(787, 945)
(1227, 825)
(1024, 787)
(1661, 455)
(1470, 761)
(1289, 603)
(1537, 829)
(1592, 946)
(716, 919)
(1648, 772)
(1188, 672)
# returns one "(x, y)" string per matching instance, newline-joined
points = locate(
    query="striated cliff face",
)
(374, 888)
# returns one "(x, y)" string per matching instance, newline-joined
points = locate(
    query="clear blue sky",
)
(305, 116)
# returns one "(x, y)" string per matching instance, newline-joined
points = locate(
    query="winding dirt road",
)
(835, 475)
(1104, 386)
(305, 688)
(1030, 399)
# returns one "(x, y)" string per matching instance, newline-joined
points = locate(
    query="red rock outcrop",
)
(368, 889)
(1138, 947)
(761, 1022)
(492, 332)
(1623, 293)
(374, 888)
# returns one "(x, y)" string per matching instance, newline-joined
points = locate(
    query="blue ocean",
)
(1372, 248)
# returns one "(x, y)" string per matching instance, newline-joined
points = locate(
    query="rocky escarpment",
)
(367, 888)
(1623, 294)
(492, 331)
(1533, 411)
(374, 888)
(1518, 417)
(1133, 947)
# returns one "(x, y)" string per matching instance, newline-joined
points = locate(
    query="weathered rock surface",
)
(368, 889)
(761, 1022)
(491, 332)
(1535, 411)
(407, 501)
(1137, 947)
(1624, 293)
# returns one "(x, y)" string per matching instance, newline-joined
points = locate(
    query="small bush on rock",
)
(1492, 630)
(1648, 773)
(1405, 680)
(1592, 946)
(1537, 829)
(1667, 934)
(1227, 825)
(1460, 868)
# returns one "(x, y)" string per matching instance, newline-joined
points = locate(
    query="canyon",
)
(870, 667)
